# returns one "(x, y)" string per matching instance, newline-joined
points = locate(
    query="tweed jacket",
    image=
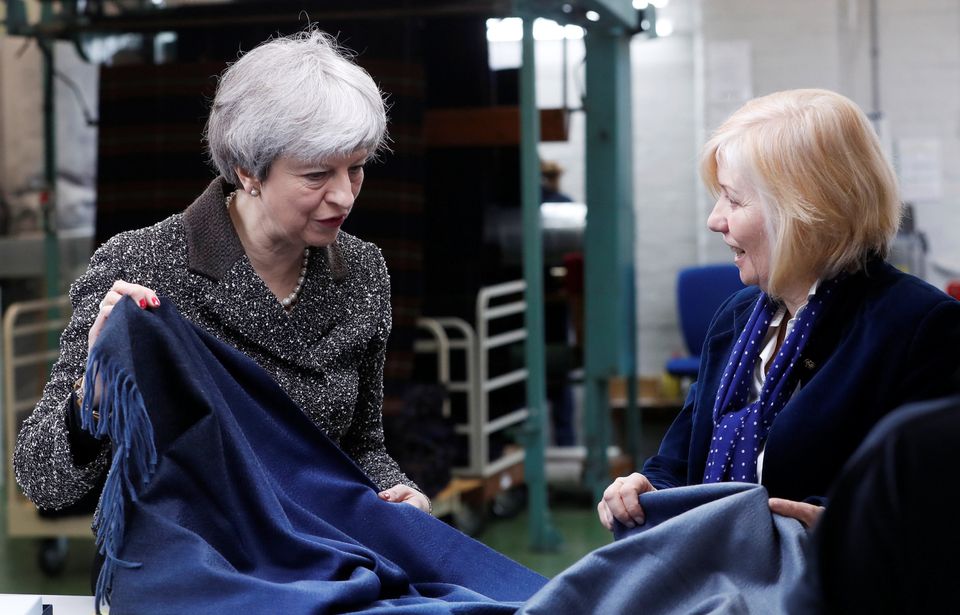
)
(327, 353)
(888, 339)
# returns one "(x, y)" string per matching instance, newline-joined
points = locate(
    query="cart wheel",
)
(507, 504)
(52, 556)
(469, 520)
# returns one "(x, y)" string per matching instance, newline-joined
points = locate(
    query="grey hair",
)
(300, 96)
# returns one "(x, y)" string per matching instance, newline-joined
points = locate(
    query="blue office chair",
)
(700, 291)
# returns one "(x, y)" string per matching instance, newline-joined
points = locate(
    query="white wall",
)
(920, 97)
(665, 188)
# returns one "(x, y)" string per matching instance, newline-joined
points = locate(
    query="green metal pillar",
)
(51, 242)
(610, 327)
(49, 195)
(543, 536)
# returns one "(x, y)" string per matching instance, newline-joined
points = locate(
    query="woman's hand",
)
(807, 514)
(143, 296)
(407, 495)
(621, 501)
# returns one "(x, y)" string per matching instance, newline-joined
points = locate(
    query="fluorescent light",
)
(664, 27)
(640, 4)
(510, 30)
(547, 30)
(592, 15)
(573, 32)
(505, 30)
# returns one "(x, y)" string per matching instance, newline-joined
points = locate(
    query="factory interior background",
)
(111, 140)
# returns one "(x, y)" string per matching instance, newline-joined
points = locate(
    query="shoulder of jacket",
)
(361, 257)
(147, 239)
(897, 290)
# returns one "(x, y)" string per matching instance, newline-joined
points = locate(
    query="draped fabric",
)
(706, 549)
(740, 428)
(223, 496)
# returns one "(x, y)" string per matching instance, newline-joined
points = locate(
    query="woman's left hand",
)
(407, 495)
(807, 514)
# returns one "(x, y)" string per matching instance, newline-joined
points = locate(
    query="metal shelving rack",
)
(454, 335)
(449, 335)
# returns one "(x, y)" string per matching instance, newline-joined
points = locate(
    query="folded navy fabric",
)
(712, 548)
(224, 498)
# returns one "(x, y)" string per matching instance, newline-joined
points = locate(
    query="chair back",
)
(700, 291)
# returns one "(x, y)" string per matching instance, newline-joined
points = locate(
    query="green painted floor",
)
(576, 521)
(20, 572)
(577, 524)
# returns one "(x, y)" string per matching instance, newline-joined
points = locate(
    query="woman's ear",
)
(248, 182)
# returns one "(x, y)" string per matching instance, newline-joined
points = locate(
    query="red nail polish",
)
(155, 301)
(142, 303)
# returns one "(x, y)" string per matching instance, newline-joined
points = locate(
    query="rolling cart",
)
(30, 331)
(493, 471)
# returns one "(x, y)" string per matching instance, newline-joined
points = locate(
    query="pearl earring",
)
(254, 192)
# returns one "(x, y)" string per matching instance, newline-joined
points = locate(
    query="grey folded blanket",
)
(703, 549)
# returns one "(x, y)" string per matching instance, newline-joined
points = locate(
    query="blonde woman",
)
(827, 338)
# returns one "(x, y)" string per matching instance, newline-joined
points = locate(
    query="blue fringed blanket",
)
(224, 498)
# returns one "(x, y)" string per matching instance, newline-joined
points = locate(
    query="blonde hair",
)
(830, 195)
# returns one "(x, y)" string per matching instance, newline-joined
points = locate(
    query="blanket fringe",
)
(124, 420)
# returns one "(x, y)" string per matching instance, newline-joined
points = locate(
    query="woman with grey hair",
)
(259, 261)
(827, 339)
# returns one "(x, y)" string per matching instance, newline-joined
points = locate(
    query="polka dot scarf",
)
(740, 429)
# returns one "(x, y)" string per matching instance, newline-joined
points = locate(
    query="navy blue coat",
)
(889, 338)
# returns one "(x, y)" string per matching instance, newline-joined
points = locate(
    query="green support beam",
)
(543, 536)
(51, 242)
(610, 327)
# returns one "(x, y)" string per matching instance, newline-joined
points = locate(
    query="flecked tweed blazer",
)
(327, 353)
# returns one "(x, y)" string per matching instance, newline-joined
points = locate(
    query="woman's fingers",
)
(407, 495)
(630, 491)
(807, 514)
(606, 519)
(621, 501)
(94, 332)
(141, 295)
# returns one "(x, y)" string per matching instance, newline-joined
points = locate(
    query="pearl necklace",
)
(294, 297)
(291, 300)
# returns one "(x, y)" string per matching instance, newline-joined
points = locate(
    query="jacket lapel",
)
(239, 300)
(720, 342)
(829, 331)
